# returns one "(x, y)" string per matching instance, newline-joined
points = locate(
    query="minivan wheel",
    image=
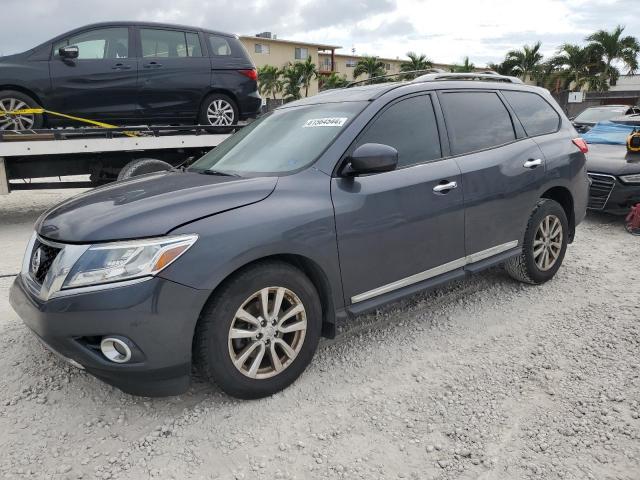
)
(218, 110)
(260, 331)
(11, 100)
(545, 244)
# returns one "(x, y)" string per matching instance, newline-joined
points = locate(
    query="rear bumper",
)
(250, 105)
(157, 316)
(609, 195)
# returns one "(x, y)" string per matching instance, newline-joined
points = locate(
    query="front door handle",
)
(445, 187)
(532, 163)
(153, 65)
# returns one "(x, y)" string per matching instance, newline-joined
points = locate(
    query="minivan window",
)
(535, 114)
(410, 127)
(476, 120)
(169, 43)
(283, 141)
(103, 43)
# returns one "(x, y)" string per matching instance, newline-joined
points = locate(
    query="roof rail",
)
(484, 76)
(380, 77)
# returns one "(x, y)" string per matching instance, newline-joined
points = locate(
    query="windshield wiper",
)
(220, 173)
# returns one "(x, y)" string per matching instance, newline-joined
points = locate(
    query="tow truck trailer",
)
(102, 154)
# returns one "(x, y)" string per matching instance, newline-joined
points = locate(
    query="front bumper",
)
(608, 194)
(158, 316)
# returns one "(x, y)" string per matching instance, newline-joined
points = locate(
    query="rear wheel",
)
(11, 100)
(143, 166)
(545, 244)
(260, 332)
(219, 110)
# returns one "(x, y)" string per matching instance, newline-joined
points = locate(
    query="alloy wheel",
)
(547, 243)
(14, 122)
(267, 332)
(220, 113)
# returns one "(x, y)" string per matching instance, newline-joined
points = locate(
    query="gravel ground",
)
(484, 379)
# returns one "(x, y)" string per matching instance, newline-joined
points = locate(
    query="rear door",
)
(101, 83)
(398, 228)
(502, 170)
(173, 73)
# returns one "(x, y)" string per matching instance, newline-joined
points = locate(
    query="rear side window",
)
(169, 44)
(476, 120)
(410, 127)
(535, 114)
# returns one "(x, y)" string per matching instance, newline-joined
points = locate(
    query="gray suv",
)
(323, 209)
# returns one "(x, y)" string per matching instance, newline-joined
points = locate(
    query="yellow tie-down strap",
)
(40, 111)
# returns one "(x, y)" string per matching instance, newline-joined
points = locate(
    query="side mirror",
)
(372, 158)
(69, 52)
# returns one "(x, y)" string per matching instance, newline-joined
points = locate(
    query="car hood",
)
(612, 160)
(147, 206)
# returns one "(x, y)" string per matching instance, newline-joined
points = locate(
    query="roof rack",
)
(483, 76)
(380, 77)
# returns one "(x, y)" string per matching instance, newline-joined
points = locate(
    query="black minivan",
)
(131, 72)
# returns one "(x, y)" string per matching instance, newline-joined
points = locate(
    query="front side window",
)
(158, 43)
(105, 43)
(535, 114)
(283, 141)
(476, 120)
(410, 127)
(302, 53)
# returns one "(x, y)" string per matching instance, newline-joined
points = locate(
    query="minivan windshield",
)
(282, 141)
(593, 115)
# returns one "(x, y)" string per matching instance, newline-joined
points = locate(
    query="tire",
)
(531, 266)
(212, 108)
(14, 100)
(213, 347)
(143, 166)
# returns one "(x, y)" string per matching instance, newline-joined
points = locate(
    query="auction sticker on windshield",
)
(325, 122)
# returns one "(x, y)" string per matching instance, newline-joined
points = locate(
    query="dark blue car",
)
(131, 73)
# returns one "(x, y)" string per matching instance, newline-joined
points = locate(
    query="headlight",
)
(635, 178)
(114, 262)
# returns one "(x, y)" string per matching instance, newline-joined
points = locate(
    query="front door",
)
(174, 74)
(101, 84)
(401, 227)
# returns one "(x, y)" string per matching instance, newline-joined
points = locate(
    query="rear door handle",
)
(121, 66)
(445, 187)
(532, 163)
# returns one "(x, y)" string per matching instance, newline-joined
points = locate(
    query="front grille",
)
(600, 190)
(39, 267)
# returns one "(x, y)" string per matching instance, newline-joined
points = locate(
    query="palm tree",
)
(503, 68)
(415, 63)
(578, 64)
(612, 47)
(309, 72)
(292, 76)
(466, 67)
(334, 81)
(269, 82)
(370, 66)
(526, 62)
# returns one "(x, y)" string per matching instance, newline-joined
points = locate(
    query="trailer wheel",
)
(142, 166)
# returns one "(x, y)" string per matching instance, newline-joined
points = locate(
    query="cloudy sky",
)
(444, 30)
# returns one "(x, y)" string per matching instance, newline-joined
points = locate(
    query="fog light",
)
(115, 350)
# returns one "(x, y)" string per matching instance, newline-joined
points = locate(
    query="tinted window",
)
(410, 127)
(99, 44)
(476, 120)
(219, 46)
(535, 114)
(169, 44)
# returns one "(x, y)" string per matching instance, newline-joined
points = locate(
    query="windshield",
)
(593, 115)
(283, 141)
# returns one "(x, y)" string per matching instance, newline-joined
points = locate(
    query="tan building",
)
(265, 49)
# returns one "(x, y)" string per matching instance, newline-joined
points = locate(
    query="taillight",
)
(252, 73)
(581, 144)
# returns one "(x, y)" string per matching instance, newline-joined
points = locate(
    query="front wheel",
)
(10, 101)
(545, 244)
(260, 331)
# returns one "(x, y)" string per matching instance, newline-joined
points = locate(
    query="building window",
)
(351, 63)
(262, 48)
(302, 53)
(387, 66)
(326, 64)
